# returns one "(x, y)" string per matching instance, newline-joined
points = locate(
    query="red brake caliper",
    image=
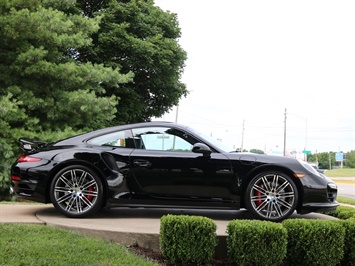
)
(89, 197)
(258, 194)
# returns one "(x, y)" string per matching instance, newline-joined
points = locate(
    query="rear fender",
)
(94, 163)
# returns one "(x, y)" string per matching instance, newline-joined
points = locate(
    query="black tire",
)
(271, 196)
(76, 191)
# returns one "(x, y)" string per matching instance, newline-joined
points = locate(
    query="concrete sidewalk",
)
(20, 213)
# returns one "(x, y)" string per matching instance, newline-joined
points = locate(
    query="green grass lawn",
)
(346, 200)
(345, 172)
(22, 244)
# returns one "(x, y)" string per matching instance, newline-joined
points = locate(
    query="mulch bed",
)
(158, 258)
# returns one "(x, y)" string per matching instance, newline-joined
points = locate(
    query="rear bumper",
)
(26, 190)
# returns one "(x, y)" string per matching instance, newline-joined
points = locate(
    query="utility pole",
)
(285, 132)
(241, 147)
(177, 113)
(176, 119)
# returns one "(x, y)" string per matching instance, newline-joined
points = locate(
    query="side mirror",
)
(201, 148)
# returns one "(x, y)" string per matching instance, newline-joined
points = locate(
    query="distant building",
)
(294, 153)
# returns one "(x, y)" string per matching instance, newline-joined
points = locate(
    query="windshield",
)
(218, 144)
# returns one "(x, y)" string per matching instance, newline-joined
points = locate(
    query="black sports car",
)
(163, 164)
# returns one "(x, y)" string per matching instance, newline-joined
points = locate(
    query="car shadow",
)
(157, 213)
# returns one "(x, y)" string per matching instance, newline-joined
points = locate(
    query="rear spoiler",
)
(31, 146)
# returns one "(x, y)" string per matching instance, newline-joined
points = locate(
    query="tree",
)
(326, 160)
(40, 66)
(350, 159)
(138, 37)
(257, 151)
(45, 91)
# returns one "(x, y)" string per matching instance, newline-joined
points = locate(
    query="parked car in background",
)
(163, 164)
(318, 170)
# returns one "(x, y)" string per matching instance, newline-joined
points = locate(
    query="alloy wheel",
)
(272, 196)
(76, 192)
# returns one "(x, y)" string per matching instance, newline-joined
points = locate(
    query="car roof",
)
(82, 137)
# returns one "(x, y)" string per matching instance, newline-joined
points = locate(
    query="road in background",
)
(346, 186)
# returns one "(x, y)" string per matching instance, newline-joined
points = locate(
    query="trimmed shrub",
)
(342, 212)
(253, 242)
(344, 215)
(188, 239)
(314, 242)
(349, 242)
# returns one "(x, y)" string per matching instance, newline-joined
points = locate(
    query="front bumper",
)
(320, 195)
(318, 207)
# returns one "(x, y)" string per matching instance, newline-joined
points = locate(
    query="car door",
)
(165, 166)
(116, 149)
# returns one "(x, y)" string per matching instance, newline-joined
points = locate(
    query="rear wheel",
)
(76, 191)
(271, 196)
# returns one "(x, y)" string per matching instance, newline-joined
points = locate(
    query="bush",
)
(349, 242)
(314, 242)
(346, 215)
(256, 242)
(4, 187)
(188, 239)
(343, 212)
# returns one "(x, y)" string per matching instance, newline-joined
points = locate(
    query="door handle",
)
(142, 163)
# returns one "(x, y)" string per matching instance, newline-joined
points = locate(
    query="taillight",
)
(28, 159)
(15, 178)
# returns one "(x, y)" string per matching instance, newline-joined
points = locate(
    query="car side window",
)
(121, 139)
(162, 139)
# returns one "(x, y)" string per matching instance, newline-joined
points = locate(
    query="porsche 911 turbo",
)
(165, 164)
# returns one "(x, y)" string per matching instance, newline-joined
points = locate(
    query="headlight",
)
(309, 168)
(332, 186)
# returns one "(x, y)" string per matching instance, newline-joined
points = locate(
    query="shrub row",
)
(343, 212)
(192, 239)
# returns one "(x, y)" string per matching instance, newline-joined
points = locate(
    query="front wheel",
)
(271, 196)
(76, 191)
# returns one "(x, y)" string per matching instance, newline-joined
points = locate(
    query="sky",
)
(252, 65)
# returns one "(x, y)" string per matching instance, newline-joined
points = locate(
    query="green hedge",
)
(349, 242)
(342, 212)
(192, 240)
(314, 242)
(252, 242)
(188, 239)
